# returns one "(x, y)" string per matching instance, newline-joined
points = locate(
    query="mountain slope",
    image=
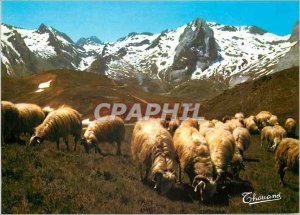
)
(278, 93)
(159, 62)
(31, 51)
(83, 91)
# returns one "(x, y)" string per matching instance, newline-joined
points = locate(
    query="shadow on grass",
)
(185, 193)
(291, 186)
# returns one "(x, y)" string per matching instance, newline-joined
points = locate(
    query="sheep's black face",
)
(35, 140)
(207, 189)
(164, 182)
(87, 144)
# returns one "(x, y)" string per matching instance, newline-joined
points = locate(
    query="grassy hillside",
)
(44, 180)
(80, 90)
(278, 93)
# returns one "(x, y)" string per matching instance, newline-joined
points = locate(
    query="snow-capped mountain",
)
(198, 50)
(29, 51)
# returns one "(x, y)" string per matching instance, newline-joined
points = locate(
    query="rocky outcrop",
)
(197, 48)
(295, 33)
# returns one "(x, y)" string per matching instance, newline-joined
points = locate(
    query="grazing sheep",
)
(221, 144)
(266, 134)
(239, 116)
(111, 130)
(278, 134)
(194, 159)
(287, 157)
(9, 120)
(273, 135)
(262, 118)
(242, 142)
(59, 123)
(225, 118)
(47, 110)
(251, 125)
(273, 120)
(173, 125)
(205, 126)
(242, 139)
(290, 126)
(234, 123)
(152, 147)
(221, 125)
(30, 116)
(190, 122)
(163, 122)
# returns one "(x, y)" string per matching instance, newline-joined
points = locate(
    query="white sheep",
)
(287, 157)
(273, 120)
(152, 147)
(251, 125)
(290, 126)
(239, 116)
(242, 142)
(234, 123)
(111, 129)
(222, 147)
(194, 159)
(58, 124)
(262, 118)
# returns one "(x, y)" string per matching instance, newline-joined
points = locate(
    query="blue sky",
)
(112, 20)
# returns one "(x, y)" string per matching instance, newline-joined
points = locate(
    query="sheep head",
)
(35, 140)
(255, 129)
(276, 142)
(164, 181)
(207, 188)
(88, 144)
(237, 164)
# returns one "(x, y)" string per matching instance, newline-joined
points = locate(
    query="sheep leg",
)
(281, 174)
(67, 144)
(141, 172)
(147, 173)
(118, 147)
(179, 174)
(97, 149)
(75, 142)
(57, 144)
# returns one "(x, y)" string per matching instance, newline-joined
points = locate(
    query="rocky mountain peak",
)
(295, 33)
(43, 28)
(196, 49)
(89, 40)
(256, 30)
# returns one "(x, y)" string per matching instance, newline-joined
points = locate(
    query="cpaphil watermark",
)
(251, 198)
(138, 111)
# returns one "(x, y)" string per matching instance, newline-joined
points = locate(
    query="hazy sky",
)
(112, 20)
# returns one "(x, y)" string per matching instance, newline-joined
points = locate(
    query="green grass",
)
(44, 180)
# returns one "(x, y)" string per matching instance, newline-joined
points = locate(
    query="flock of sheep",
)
(210, 152)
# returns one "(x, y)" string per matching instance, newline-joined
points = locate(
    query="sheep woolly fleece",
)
(287, 155)
(30, 116)
(222, 147)
(152, 144)
(60, 123)
(193, 153)
(9, 116)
